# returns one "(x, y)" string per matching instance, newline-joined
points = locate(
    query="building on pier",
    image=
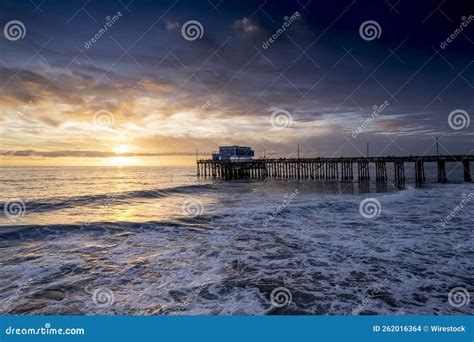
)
(233, 153)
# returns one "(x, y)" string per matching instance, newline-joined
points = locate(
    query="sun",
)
(120, 161)
(122, 149)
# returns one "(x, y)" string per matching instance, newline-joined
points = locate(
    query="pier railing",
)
(331, 169)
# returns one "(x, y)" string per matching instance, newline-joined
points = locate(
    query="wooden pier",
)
(331, 169)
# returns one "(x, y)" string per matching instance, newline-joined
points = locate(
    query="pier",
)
(331, 169)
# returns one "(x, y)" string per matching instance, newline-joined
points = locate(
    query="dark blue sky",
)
(172, 95)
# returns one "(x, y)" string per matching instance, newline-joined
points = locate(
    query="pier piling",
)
(363, 169)
(467, 171)
(330, 169)
(419, 172)
(399, 167)
(380, 171)
(442, 178)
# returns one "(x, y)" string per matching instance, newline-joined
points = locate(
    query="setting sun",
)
(120, 161)
(123, 149)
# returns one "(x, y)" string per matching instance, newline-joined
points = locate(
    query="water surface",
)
(161, 241)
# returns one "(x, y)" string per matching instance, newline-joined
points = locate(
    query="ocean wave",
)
(57, 203)
(225, 261)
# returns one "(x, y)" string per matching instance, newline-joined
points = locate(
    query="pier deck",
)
(331, 169)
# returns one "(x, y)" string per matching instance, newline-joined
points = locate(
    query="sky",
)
(134, 82)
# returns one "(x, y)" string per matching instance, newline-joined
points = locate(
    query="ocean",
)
(160, 241)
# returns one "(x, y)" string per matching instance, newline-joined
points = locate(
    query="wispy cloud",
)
(86, 154)
(168, 94)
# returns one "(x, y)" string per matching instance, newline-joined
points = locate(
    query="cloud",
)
(86, 154)
(157, 90)
(246, 25)
(173, 26)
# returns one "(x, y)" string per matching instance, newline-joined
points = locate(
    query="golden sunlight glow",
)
(120, 161)
(123, 149)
